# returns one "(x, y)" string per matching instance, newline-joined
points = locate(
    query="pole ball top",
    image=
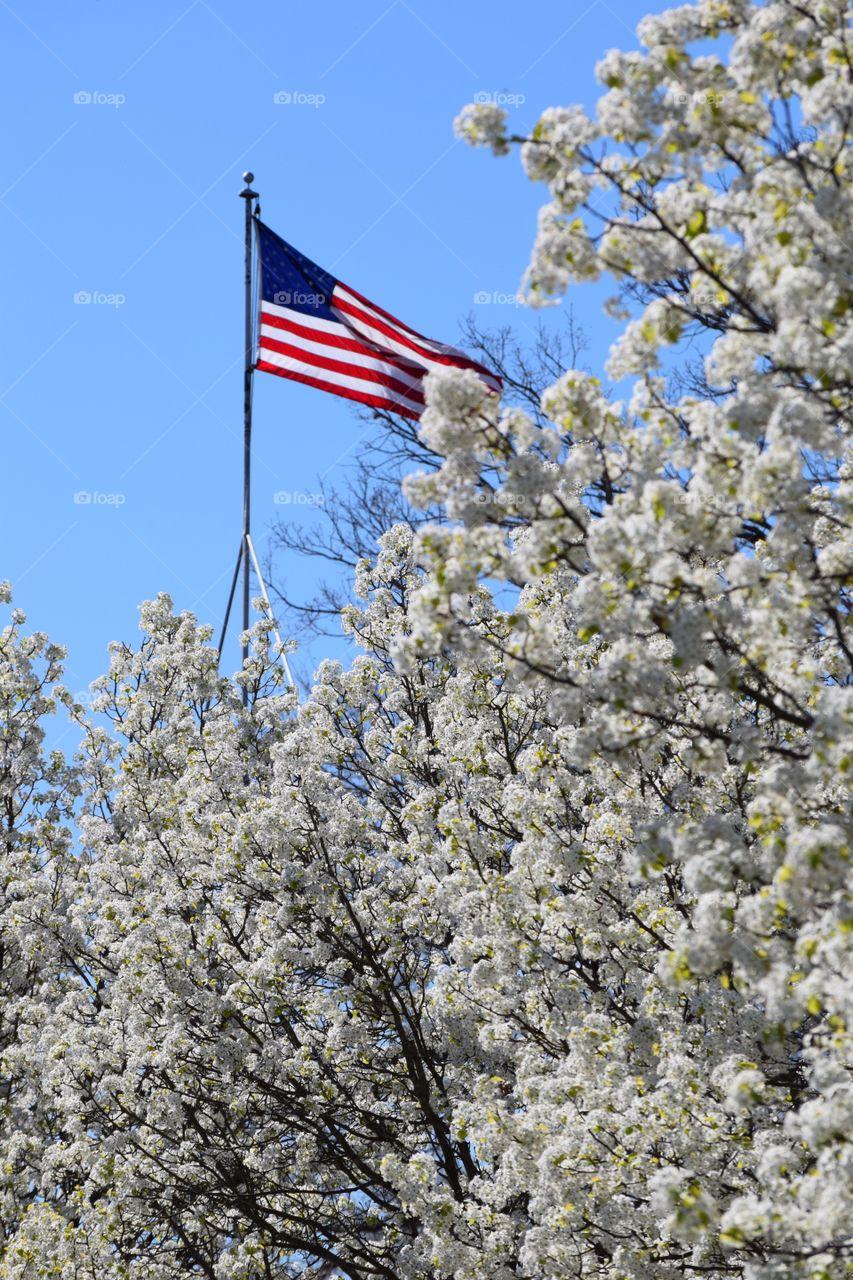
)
(248, 177)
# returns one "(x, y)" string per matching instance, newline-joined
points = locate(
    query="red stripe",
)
(364, 397)
(442, 346)
(454, 362)
(361, 346)
(340, 366)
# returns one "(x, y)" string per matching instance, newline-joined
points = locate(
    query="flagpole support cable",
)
(275, 631)
(231, 595)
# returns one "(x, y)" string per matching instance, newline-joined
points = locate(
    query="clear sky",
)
(128, 128)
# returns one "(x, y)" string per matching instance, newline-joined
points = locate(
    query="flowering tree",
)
(36, 885)
(684, 559)
(521, 949)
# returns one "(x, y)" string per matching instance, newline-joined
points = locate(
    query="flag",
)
(316, 330)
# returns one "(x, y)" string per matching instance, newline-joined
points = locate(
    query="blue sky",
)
(132, 126)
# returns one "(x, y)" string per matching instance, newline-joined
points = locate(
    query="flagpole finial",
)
(247, 193)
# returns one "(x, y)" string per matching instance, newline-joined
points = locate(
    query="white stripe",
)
(310, 322)
(364, 329)
(338, 328)
(440, 348)
(338, 379)
(364, 360)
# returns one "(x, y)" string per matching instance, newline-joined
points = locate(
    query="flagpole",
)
(249, 196)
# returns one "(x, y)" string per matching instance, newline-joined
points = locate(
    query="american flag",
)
(317, 330)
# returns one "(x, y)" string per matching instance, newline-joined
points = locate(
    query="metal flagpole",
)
(249, 196)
